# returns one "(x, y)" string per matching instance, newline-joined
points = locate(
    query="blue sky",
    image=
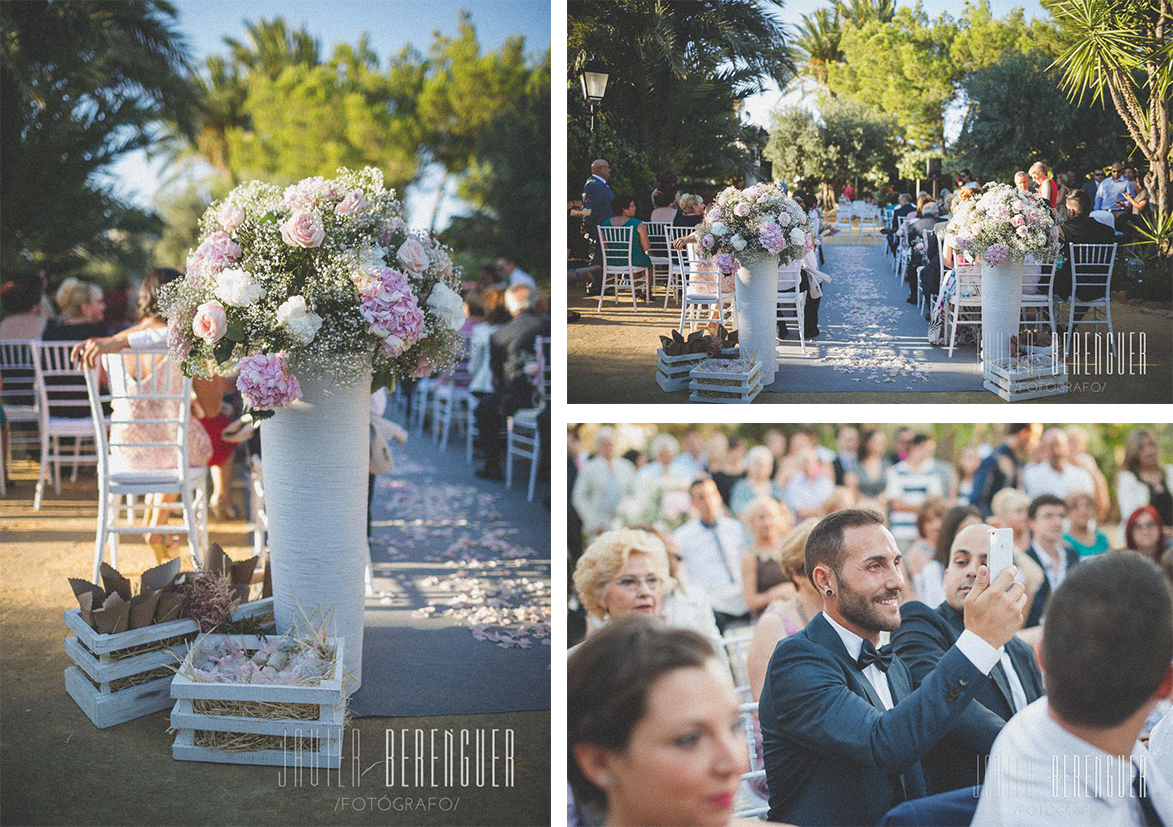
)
(758, 107)
(391, 24)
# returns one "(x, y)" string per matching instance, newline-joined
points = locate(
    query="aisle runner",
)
(462, 620)
(870, 338)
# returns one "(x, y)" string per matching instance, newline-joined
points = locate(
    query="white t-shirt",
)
(1040, 478)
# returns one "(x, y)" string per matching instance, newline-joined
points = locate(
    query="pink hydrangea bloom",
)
(773, 238)
(995, 254)
(726, 262)
(387, 302)
(266, 383)
(215, 253)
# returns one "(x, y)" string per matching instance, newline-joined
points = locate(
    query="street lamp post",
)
(594, 84)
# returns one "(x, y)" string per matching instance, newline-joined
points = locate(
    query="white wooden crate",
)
(1016, 385)
(672, 371)
(99, 662)
(326, 728)
(748, 385)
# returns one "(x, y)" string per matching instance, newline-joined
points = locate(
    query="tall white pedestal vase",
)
(316, 459)
(1001, 307)
(756, 289)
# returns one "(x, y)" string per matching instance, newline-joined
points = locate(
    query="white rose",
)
(797, 238)
(303, 324)
(412, 255)
(237, 288)
(372, 257)
(447, 305)
(718, 229)
(738, 242)
(784, 219)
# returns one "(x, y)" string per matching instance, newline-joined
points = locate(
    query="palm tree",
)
(272, 46)
(859, 12)
(818, 44)
(1125, 47)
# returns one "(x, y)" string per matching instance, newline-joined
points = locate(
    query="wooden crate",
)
(101, 662)
(748, 385)
(672, 371)
(326, 729)
(1018, 384)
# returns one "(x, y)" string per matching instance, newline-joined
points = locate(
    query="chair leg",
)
(509, 454)
(800, 311)
(42, 472)
(76, 457)
(603, 290)
(189, 520)
(1111, 335)
(953, 330)
(103, 530)
(533, 466)
(112, 539)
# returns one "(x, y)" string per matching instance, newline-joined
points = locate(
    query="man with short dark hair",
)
(925, 634)
(1110, 193)
(842, 729)
(1073, 756)
(1090, 186)
(711, 545)
(1079, 228)
(1001, 469)
(1045, 517)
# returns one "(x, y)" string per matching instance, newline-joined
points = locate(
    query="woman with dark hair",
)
(623, 205)
(1142, 479)
(871, 468)
(953, 520)
(654, 734)
(1143, 533)
(927, 572)
(21, 299)
(665, 207)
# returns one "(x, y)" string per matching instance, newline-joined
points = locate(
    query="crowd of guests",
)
(817, 556)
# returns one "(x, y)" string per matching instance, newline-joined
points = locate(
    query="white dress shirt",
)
(519, 276)
(687, 467)
(1056, 572)
(146, 338)
(1040, 478)
(1041, 775)
(980, 654)
(1161, 746)
(1017, 693)
(713, 556)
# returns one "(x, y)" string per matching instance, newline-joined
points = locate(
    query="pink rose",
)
(741, 209)
(210, 323)
(1017, 206)
(231, 217)
(303, 229)
(1017, 221)
(1022, 231)
(411, 254)
(351, 204)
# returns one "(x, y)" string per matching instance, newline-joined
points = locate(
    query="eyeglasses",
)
(632, 584)
(1144, 525)
(1097, 175)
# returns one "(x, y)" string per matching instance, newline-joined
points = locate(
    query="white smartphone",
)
(1001, 551)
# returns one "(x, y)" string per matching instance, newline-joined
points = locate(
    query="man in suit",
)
(1045, 517)
(597, 197)
(925, 635)
(843, 729)
(1001, 469)
(1079, 228)
(510, 347)
(1074, 756)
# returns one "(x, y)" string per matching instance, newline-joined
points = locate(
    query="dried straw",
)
(258, 709)
(250, 742)
(135, 680)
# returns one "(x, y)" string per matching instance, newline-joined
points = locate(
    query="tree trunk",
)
(439, 200)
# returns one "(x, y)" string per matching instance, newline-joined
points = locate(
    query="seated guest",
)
(807, 491)
(1022, 181)
(692, 211)
(786, 615)
(1105, 657)
(1082, 534)
(1079, 228)
(662, 450)
(623, 208)
(1002, 467)
(759, 464)
(925, 634)
(1056, 474)
(653, 729)
(767, 522)
(843, 730)
(514, 275)
(622, 572)
(22, 295)
(921, 557)
(905, 206)
(1144, 533)
(1142, 479)
(914, 230)
(685, 606)
(510, 347)
(1045, 518)
(80, 312)
(711, 546)
(690, 462)
(665, 208)
(601, 484)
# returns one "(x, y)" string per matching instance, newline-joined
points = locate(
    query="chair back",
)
(657, 239)
(542, 345)
(1038, 278)
(149, 403)
(19, 394)
(969, 281)
(1091, 266)
(61, 387)
(616, 244)
(789, 276)
(748, 712)
(700, 275)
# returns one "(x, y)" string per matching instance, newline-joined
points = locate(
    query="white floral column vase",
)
(316, 459)
(1001, 307)
(756, 289)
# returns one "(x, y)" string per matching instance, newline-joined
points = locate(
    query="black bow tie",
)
(868, 655)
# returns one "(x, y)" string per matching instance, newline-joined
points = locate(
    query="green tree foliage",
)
(82, 84)
(817, 45)
(1018, 115)
(678, 72)
(850, 140)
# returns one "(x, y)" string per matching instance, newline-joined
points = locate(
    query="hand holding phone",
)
(1001, 551)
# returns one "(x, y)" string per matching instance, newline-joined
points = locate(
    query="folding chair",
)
(1091, 267)
(791, 303)
(618, 270)
(658, 253)
(702, 291)
(64, 414)
(965, 298)
(1038, 293)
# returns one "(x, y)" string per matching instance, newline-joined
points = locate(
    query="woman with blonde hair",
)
(1048, 190)
(767, 522)
(692, 211)
(80, 312)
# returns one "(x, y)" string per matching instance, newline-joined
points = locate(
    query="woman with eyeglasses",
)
(1144, 534)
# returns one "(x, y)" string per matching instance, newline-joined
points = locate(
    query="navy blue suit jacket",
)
(597, 195)
(1044, 593)
(958, 759)
(832, 754)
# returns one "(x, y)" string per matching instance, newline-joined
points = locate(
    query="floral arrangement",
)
(1005, 224)
(754, 222)
(318, 277)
